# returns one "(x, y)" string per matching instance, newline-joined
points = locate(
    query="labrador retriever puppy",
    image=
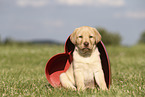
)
(85, 70)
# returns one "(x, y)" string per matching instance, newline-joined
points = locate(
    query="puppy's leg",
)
(65, 82)
(79, 79)
(100, 79)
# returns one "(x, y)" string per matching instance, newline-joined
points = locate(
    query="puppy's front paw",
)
(81, 88)
(74, 88)
(104, 88)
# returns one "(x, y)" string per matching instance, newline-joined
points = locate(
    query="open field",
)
(22, 70)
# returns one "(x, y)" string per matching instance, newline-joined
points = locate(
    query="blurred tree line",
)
(110, 38)
(10, 41)
(142, 38)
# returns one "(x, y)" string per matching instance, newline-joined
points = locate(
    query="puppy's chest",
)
(87, 65)
(88, 70)
(87, 62)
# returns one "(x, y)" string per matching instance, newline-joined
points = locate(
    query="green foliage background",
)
(109, 38)
(142, 38)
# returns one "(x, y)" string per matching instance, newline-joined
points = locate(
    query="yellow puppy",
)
(86, 69)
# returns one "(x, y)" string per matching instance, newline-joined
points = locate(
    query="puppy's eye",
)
(90, 36)
(80, 36)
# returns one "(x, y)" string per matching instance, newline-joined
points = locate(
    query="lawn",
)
(22, 70)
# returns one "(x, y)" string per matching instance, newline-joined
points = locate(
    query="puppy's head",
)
(85, 38)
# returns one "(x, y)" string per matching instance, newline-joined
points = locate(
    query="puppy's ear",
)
(73, 36)
(98, 36)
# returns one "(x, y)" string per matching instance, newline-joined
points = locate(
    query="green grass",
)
(22, 70)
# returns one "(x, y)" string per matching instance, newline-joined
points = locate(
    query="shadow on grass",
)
(48, 86)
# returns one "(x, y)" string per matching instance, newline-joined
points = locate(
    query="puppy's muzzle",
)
(86, 44)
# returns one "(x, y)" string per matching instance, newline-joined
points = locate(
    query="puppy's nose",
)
(86, 44)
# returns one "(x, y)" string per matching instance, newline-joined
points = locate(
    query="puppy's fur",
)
(86, 69)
